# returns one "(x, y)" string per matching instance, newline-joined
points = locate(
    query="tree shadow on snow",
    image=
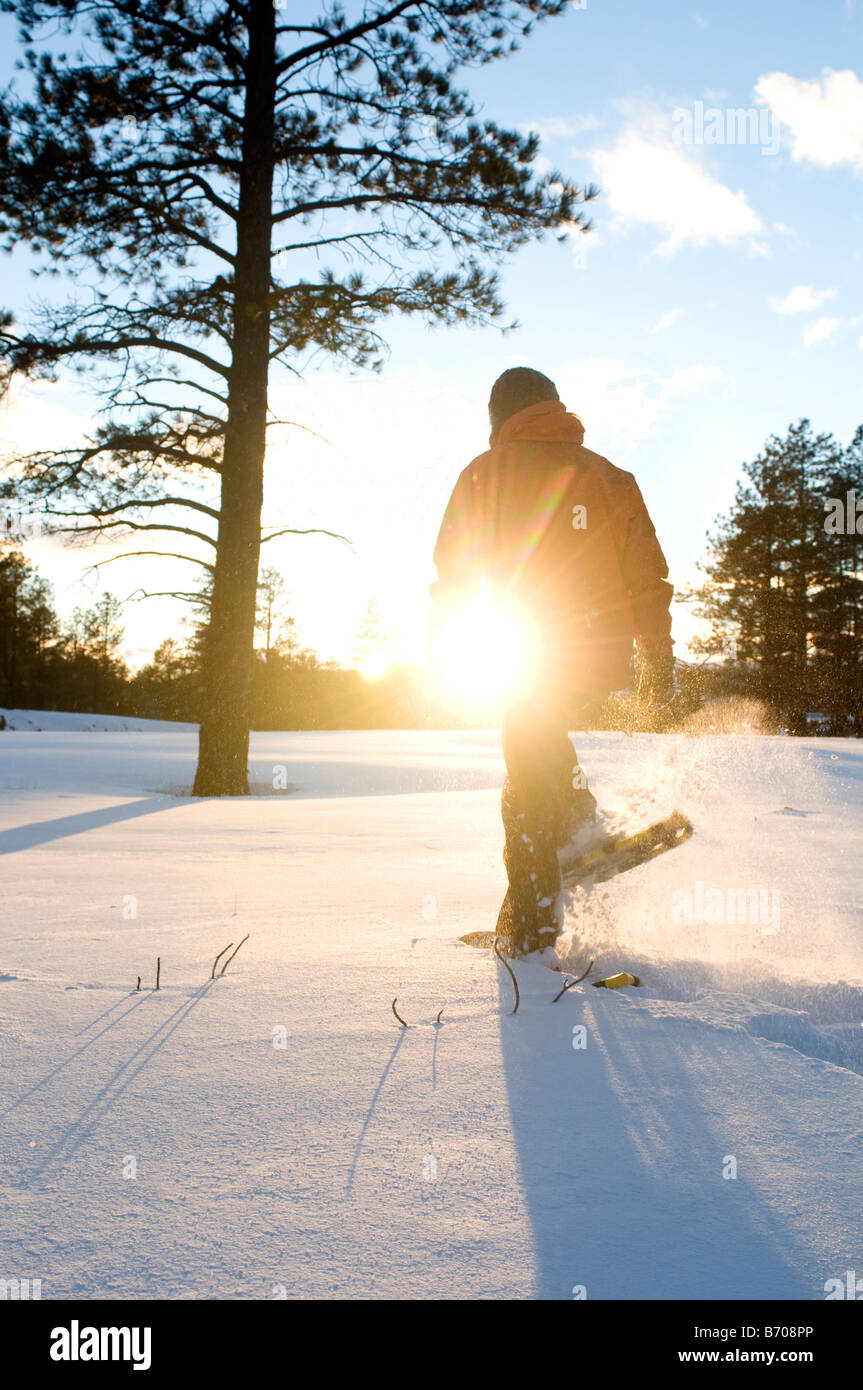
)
(22, 837)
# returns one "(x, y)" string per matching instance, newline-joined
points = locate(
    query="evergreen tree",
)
(94, 676)
(272, 622)
(778, 595)
(838, 604)
(29, 629)
(235, 185)
(165, 688)
(373, 643)
(105, 632)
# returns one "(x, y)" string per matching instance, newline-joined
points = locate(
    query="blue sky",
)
(718, 299)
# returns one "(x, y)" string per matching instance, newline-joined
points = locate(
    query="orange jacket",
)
(564, 534)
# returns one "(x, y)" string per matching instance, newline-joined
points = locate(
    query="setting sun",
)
(374, 666)
(483, 652)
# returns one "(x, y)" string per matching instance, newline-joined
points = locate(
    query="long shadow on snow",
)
(43, 832)
(134, 1002)
(358, 1147)
(621, 1160)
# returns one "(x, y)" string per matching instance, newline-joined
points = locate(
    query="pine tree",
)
(28, 630)
(373, 643)
(766, 564)
(838, 604)
(237, 185)
(165, 687)
(272, 622)
(95, 675)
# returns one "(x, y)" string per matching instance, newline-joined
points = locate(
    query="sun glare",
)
(374, 666)
(483, 653)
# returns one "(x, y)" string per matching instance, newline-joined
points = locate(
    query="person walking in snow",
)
(562, 536)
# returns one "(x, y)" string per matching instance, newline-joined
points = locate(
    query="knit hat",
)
(515, 390)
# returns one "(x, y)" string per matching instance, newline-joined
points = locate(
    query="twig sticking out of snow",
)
(396, 1012)
(511, 973)
(576, 981)
(437, 1020)
(139, 982)
(233, 953)
(158, 970)
(218, 958)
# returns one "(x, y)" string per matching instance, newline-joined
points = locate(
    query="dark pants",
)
(543, 791)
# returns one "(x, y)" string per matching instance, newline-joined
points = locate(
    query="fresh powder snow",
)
(275, 1132)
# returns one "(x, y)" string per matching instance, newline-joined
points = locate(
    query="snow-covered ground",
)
(62, 722)
(275, 1131)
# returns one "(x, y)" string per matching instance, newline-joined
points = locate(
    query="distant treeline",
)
(76, 665)
(782, 598)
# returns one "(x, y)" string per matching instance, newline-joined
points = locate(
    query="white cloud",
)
(825, 119)
(581, 243)
(621, 405)
(559, 127)
(819, 331)
(665, 321)
(647, 180)
(34, 415)
(800, 300)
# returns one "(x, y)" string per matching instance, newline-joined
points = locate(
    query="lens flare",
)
(374, 666)
(484, 653)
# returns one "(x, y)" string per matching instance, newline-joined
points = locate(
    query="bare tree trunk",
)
(223, 747)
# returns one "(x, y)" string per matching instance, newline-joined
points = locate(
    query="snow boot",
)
(528, 919)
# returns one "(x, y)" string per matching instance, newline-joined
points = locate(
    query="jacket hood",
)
(545, 420)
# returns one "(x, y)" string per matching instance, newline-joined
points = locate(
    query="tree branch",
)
(310, 531)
